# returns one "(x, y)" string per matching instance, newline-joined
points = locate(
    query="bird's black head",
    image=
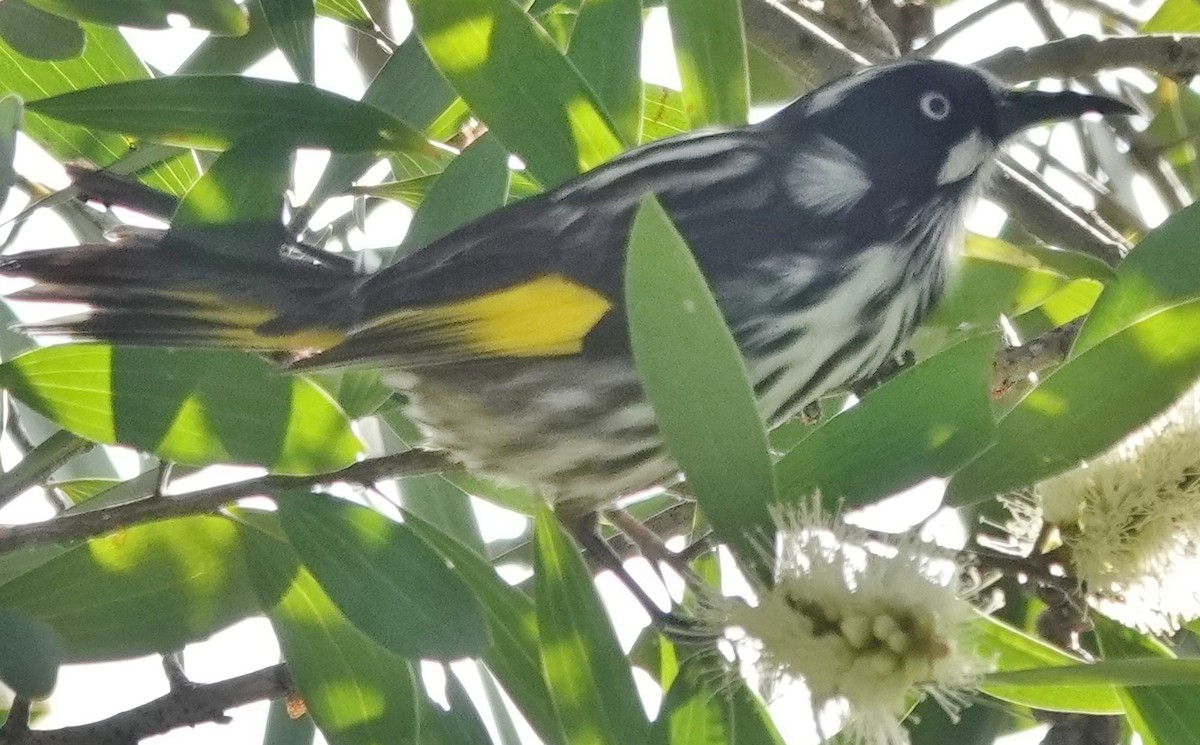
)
(914, 128)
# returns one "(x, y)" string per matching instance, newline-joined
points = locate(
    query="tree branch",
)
(184, 706)
(1012, 366)
(1173, 56)
(75, 526)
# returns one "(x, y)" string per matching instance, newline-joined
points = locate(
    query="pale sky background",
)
(88, 693)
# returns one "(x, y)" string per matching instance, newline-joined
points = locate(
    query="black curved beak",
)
(1018, 109)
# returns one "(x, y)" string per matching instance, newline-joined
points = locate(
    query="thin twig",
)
(81, 525)
(185, 706)
(938, 40)
(1173, 56)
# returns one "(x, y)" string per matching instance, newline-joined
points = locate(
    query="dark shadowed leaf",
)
(96, 596)
(696, 380)
(383, 578)
(225, 54)
(473, 184)
(191, 406)
(30, 653)
(590, 680)
(223, 17)
(291, 24)
(514, 78)
(37, 34)
(213, 111)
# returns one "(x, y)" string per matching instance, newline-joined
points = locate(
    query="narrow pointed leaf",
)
(213, 111)
(291, 24)
(513, 656)
(1073, 415)
(106, 58)
(1013, 650)
(194, 407)
(1161, 272)
(383, 578)
(357, 692)
(245, 184)
(514, 78)
(927, 421)
(590, 680)
(696, 380)
(224, 17)
(605, 47)
(1160, 715)
(473, 184)
(703, 707)
(710, 49)
(39, 35)
(350, 12)
(96, 595)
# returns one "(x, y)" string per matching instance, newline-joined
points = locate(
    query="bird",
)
(826, 233)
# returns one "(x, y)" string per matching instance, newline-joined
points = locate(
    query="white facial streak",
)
(965, 158)
(826, 177)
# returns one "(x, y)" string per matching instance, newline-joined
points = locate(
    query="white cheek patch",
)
(965, 158)
(826, 177)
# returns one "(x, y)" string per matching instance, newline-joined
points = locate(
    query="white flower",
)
(1131, 521)
(870, 624)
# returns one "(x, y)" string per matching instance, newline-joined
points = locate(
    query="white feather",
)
(826, 177)
(965, 158)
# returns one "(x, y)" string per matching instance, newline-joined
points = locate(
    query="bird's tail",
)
(148, 291)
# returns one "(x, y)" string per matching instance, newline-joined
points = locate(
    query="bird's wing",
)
(542, 277)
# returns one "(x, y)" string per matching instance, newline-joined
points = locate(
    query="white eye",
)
(935, 105)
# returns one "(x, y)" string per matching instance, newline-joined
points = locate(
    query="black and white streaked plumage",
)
(824, 232)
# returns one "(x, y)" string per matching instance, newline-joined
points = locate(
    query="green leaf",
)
(357, 692)
(590, 680)
(98, 596)
(37, 34)
(350, 12)
(927, 421)
(491, 51)
(512, 625)
(1160, 272)
(407, 87)
(291, 24)
(10, 122)
(213, 111)
(245, 184)
(704, 706)
(1014, 650)
(1174, 16)
(106, 58)
(225, 54)
(223, 17)
(696, 380)
(710, 49)
(663, 113)
(1073, 415)
(194, 407)
(995, 278)
(461, 725)
(30, 653)
(1161, 715)
(283, 729)
(473, 184)
(383, 578)
(606, 48)
(1129, 673)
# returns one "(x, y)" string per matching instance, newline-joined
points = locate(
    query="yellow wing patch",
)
(238, 322)
(546, 316)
